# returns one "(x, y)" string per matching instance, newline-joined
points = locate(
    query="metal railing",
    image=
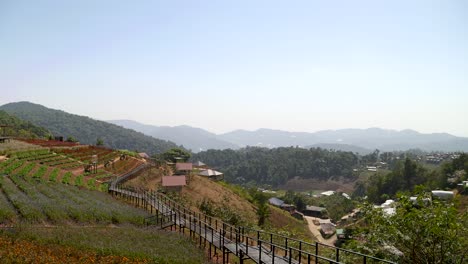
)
(258, 245)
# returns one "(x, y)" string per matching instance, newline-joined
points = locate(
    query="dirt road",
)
(315, 230)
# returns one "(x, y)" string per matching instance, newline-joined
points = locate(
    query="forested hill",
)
(18, 127)
(278, 165)
(86, 130)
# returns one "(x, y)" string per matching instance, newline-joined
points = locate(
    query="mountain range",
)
(362, 141)
(129, 134)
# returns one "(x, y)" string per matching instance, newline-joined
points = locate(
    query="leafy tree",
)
(263, 211)
(176, 154)
(421, 232)
(71, 139)
(99, 142)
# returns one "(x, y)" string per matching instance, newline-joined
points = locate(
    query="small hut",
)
(212, 174)
(173, 183)
(200, 165)
(314, 211)
(182, 168)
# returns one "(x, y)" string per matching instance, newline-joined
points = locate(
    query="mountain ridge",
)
(85, 129)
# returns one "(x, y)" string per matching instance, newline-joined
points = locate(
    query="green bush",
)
(67, 178)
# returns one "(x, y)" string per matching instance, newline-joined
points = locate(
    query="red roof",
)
(183, 166)
(173, 181)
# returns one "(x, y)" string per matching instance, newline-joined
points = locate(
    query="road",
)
(315, 230)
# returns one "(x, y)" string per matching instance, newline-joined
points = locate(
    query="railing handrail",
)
(175, 208)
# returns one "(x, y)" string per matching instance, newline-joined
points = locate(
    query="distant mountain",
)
(195, 139)
(85, 129)
(371, 138)
(18, 127)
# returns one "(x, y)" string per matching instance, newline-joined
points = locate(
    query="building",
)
(200, 165)
(212, 174)
(314, 211)
(183, 168)
(275, 202)
(173, 183)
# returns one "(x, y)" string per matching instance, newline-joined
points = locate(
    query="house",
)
(182, 168)
(212, 174)
(298, 215)
(327, 229)
(314, 211)
(143, 155)
(444, 195)
(328, 193)
(275, 202)
(200, 165)
(288, 207)
(173, 183)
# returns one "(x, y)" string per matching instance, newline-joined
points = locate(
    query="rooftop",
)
(174, 181)
(183, 166)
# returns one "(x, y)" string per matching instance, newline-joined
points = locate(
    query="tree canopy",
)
(419, 233)
(276, 166)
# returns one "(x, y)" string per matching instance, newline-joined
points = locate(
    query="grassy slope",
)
(221, 194)
(101, 244)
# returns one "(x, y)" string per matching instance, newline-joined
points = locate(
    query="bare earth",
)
(315, 230)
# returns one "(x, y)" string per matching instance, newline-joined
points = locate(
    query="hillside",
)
(86, 130)
(195, 139)
(231, 200)
(20, 128)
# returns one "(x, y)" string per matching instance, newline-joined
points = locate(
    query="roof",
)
(143, 155)
(276, 201)
(328, 193)
(173, 181)
(183, 166)
(315, 208)
(327, 228)
(210, 172)
(199, 164)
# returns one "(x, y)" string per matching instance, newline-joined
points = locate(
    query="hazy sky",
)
(222, 65)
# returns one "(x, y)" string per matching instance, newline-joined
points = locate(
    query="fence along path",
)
(245, 243)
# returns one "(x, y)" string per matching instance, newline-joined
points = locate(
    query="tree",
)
(176, 154)
(421, 233)
(99, 142)
(71, 139)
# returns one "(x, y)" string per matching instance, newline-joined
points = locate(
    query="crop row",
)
(52, 202)
(29, 153)
(7, 211)
(13, 165)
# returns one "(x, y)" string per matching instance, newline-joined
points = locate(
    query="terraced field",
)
(30, 200)
(67, 166)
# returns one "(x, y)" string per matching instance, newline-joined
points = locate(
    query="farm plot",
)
(15, 145)
(49, 143)
(85, 154)
(33, 201)
(48, 158)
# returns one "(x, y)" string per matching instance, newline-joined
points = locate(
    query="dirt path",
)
(315, 230)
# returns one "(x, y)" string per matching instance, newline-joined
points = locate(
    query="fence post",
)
(337, 254)
(300, 251)
(259, 242)
(316, 251)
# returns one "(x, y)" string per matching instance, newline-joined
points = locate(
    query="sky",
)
(225, 65)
